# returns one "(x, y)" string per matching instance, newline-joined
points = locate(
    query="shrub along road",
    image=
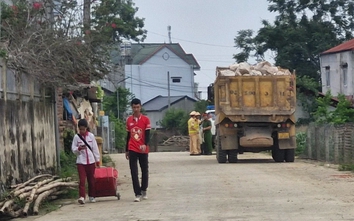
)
(198, 188)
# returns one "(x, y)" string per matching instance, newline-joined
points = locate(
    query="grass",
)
(346, 167)
(107, 161)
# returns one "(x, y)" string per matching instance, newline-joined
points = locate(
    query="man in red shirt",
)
(137, 149)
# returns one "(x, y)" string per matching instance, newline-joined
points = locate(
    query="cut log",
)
(35, 188)
(20, 191)
(31, 180)
(55, 185)
(15, 214)
(5, 208)
(41, 197)
(25, 209)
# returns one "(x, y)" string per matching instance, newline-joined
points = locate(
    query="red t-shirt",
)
(137, 128)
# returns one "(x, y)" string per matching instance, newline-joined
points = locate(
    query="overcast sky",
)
(204, 28)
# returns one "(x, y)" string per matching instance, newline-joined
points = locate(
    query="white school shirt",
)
(85, 156)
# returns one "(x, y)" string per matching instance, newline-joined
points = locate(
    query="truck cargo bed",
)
(255, 95)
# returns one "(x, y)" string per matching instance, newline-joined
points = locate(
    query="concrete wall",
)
(27, 139)
(335, 62)
(27, 127)
(150, 79)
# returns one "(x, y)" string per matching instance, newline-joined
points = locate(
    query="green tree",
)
(110, 106)
(176, 120)
(297, 37)
(342, 113)
(201, 106)
(110, 103)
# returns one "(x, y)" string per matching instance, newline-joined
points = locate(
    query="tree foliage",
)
(110, 106)
(301, 31)
(110, 102)
(201, 106)
(47, 40)
(342, 113)
(176, 120)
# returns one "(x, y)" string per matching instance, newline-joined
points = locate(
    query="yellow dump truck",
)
(254, 114)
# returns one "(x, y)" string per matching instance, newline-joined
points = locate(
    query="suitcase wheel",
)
(118, 196)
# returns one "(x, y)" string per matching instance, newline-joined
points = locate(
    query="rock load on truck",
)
(263, 68)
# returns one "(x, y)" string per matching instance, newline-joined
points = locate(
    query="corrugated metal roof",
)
(160, 102)
(346, 46)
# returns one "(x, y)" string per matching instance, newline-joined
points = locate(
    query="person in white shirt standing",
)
(84, 146)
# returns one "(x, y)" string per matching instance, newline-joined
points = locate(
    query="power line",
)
(194, 42)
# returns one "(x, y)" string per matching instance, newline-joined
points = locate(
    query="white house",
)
(337, 69)
(153, 69)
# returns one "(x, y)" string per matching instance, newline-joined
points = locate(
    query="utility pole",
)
(87, 17)
(168, 83)
(169, 33)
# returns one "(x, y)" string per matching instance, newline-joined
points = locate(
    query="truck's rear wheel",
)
(289, 155)
(278, 154)
(220, 154)
(232, 156)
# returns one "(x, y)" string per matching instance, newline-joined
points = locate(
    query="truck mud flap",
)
(287, 143)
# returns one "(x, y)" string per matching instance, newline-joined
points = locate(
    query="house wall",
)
(150, 79)
(335, 61)
(156, 116)
(27, 131)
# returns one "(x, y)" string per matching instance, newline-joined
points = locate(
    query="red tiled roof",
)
(346, 46)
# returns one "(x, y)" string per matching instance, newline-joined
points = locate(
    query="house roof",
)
(159, 103)
(345, 46)
(141, 52)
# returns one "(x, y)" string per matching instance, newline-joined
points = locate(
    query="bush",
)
(176, 120)
(300, 143)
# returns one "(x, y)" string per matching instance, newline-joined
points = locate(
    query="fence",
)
(334, 144)
(27, 132)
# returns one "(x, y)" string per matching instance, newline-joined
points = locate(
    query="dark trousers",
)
(134, 157)
(86, 171)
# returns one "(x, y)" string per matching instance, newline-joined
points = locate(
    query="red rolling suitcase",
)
(106, 182)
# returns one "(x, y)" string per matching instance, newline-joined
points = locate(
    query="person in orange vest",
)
(200, 132)
(193, 130)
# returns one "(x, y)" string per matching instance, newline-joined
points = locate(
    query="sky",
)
(204, 28)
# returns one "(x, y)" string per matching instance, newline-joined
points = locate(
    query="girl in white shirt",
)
(87, 160)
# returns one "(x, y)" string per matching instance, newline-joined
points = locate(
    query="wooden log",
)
(15, 214)
(20, 191)
(55, 185)
(35, 188)
(5, 208)
(31, 180)
(24, 195)
(41, 197)
(25, 208)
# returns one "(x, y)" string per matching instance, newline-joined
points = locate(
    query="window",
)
(345, 74)
(176, 79)
(328, 76)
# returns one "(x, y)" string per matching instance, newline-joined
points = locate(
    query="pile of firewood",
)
(32, 193)
(181, 141)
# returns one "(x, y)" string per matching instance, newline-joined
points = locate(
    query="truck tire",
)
(220, 154)
(278, 155)
(232, 156)
(290, 155)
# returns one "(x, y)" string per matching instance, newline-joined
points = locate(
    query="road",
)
(198, 188)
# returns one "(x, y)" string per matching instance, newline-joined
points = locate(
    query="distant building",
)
(155, 69)
(337, 65)
(157, 107)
